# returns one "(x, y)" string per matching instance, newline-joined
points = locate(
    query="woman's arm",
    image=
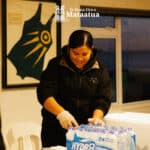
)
(103, 94)
(98, 114)
(51, 105)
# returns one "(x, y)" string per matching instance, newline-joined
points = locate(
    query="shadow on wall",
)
(144, 148)
(2, 145)
(23, 136)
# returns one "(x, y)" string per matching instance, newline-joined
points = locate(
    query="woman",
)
(74, 89)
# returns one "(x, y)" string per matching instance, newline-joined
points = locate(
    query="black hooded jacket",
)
(79, 92)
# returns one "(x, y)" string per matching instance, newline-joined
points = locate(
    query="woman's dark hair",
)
(79, 38)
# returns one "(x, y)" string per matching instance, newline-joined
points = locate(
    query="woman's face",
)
(80, 56)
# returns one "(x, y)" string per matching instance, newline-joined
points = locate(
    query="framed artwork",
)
(30, 38)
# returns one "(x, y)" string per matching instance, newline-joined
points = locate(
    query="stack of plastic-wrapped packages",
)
(89, 137)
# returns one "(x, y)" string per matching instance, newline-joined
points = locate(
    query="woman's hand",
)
(96, 121)
(97, 118)
(66, 120)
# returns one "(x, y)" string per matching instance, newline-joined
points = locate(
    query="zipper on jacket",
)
(80, 82)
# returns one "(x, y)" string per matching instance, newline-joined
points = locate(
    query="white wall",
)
(21, 104)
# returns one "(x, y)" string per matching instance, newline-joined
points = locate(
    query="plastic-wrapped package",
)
(89, 137)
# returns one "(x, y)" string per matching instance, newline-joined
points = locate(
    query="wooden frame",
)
(120, 11)
(30, 37)
(116, 12)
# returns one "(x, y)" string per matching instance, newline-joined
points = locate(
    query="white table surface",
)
(140, 122)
